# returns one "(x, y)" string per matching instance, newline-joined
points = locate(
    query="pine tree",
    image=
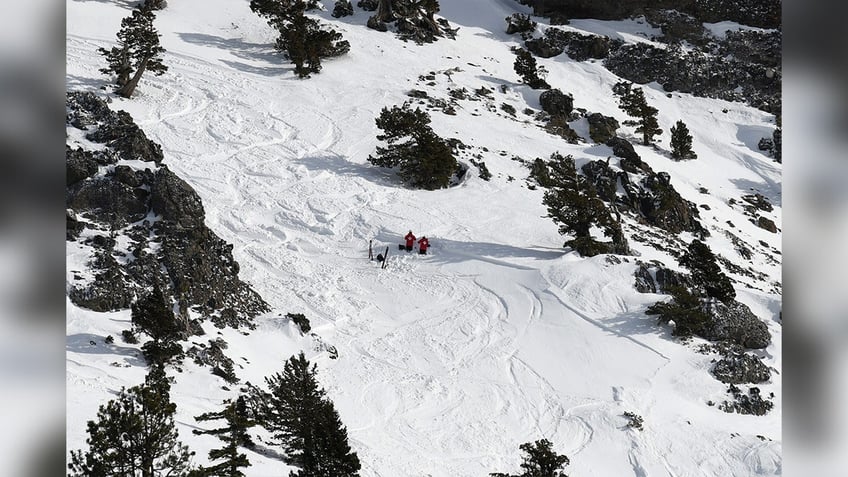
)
(153, 315)
(574, 205)
(701, 262)
(681, 142)
(424, 159)
(525, 67)
(234, 435)
(138, 50)
(134, 435)
(304, 40)
(633, 103)
(540, 461)
(305, 423)
(684, 309)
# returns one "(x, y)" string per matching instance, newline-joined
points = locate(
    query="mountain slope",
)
(446, 362)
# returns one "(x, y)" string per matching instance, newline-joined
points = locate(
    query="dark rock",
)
(368, 5)
(519, 23)
(602, 128)
(644, 280)
(543, 48)
(188, 262)
(735, 323)
(110, 201)
(73, 226)
(79, 165)
(667, 279)
(677, 26)
(556, 103)
(127, 176)
(662, 206)
(741, 368)
(766, 224)
(752, 403)
(622, 148)
(657, 279)
(175, 200)
(375, 24)
(758, 201)
(342, 8)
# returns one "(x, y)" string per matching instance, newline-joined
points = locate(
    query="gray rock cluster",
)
(158, 214)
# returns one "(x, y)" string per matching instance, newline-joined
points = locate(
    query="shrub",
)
(300, 320)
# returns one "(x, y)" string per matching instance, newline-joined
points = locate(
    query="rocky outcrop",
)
(556, 103)
(741, 368)
(159, 217)
(577, 46)
(758, 13)
(652, 199)
(736, 323)
(658, 279)
(602, 128)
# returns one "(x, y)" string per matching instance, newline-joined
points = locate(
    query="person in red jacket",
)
(423, 244)
(410, 240)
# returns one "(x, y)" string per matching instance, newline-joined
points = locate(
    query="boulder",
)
(79, 165)
(741, 368)
(602, 128)
(736, 323)
(175, 200)
(556, 103)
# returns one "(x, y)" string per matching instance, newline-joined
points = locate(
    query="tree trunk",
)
(384, 11)
(127, 89)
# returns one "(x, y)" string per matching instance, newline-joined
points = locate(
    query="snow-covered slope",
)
(446, 362)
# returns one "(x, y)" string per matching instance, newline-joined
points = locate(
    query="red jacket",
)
(423, 244)
(410, 239)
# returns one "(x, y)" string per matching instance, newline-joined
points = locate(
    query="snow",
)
(446, 362)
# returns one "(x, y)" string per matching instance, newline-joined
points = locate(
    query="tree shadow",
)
(127, 4)
(637, 323)
(445, 251)
(81, 343)
(239, 48)
(768, 188)
(82, 83)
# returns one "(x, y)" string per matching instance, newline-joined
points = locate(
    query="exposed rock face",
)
(602, 128)
(741, 368)
(758, 13)
(739, 66)
(653, 198)
(656, 279)
(160, 217)
(735, 323)
(578, 46)
(556, 103)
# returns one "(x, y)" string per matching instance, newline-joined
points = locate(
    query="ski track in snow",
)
(447, 362)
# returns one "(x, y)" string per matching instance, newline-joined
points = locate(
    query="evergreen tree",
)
(525, 67)
(134, 435)
(684, 309)
(681, 142)
(234, 435)
(540, 461)
(304, 40)
(304, 422)
(633, 103)
(701, 262)
(153, 315)
(138, 50)
(574, 205)
(424, 159)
